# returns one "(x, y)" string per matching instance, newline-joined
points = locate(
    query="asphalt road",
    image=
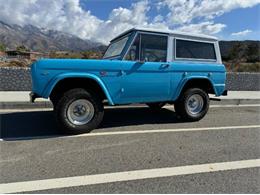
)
(219, 154)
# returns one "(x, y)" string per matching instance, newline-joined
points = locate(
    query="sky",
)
(101, 20)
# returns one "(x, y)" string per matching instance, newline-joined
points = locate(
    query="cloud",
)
(185, 11)
(242, 33)
(121, 19)
(68, 16)
(63, 15)
(204, 27)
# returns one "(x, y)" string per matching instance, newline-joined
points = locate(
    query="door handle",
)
(164, 66)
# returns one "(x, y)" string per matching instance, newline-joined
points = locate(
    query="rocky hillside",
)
(241, 49)
(37, 39)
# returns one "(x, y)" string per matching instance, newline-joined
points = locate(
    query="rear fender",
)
(186, 79)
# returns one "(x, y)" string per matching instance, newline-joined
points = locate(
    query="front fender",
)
(52, 83)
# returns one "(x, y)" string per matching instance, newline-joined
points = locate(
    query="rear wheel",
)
(79, 111)
(192, 105)
(156, 106)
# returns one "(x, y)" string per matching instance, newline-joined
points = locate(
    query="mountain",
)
(43, 40)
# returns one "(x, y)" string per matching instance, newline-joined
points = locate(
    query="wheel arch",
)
(67, 81)
(197, 82)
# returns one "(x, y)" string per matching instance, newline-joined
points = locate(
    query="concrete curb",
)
(48, 104)
(25, 105)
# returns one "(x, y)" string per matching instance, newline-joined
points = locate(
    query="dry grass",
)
(243, 67)
(16, 63)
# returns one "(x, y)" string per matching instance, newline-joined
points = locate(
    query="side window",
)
(153, 48)
(195, 50)
(134, 51)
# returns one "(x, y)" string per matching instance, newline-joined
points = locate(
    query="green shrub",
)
(2, 47)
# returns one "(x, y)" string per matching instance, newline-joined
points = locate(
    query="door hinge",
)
(122, 72)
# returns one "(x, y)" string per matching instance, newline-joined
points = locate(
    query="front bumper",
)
(33, 96)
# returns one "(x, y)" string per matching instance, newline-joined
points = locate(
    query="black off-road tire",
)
(63, 104)
(54, 103)
(156, 106)
(181, 105)
(55, 99)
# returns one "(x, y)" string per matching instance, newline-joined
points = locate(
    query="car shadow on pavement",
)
(41, 124)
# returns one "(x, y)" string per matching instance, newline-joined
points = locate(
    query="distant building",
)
(14, 54)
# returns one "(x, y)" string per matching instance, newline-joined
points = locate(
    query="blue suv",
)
(139, 66)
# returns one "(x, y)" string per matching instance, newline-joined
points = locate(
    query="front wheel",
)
(79, 111)
(192, 105)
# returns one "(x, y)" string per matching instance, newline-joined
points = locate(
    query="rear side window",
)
(195, 50)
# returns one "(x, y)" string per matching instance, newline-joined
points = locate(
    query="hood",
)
(72, 64)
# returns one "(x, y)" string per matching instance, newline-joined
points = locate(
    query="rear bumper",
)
(33, 96)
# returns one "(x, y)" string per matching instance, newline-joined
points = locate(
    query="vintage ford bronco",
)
(139, 66)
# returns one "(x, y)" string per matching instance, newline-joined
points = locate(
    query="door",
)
(145, 72)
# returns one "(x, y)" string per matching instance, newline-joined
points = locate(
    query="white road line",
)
(171, 106)
(231, 106)
(55, 183)
(234, 106)
(139, 132)
(167, 130)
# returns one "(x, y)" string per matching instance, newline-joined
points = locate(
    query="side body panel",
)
(128, 82)
(145, 82)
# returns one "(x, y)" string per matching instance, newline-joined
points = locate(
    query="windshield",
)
(116, 47)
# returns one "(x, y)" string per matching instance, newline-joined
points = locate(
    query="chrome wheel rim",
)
(80, 112)
(195, 104)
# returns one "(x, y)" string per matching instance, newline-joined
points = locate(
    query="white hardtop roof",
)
(178, 33)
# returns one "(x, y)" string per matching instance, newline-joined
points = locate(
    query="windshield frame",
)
(129, 35)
